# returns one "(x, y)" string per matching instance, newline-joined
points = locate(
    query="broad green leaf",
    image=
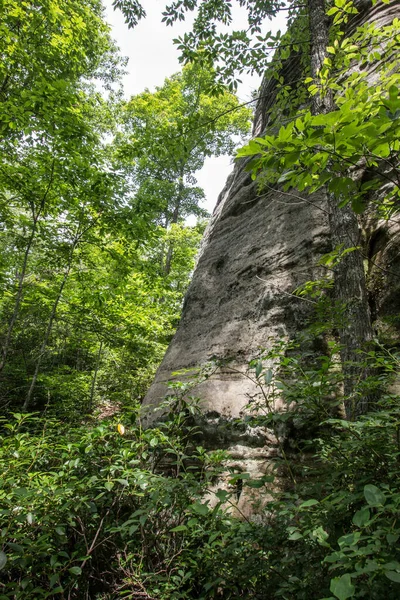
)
(342, 587)
(255, 483)
(393, 92)
(374, 496)
(361, 517)
(75, 570)
(268, 376)
(393, 576)
(308, 503)
(179, 528)
(222, 495)
(123, 482)
(201, 509)
(392, 566)
(321, 536)
(392, 538)
(296, 535)
(349, 539)
(358, 205)
(3, 560)
(16, 547)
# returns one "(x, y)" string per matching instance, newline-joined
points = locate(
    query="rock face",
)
(258, 248)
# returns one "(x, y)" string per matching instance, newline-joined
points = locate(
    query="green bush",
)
(108, 510)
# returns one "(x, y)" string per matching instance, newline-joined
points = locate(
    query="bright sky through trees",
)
(153, 57)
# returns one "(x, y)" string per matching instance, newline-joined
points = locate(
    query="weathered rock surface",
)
(258, 248)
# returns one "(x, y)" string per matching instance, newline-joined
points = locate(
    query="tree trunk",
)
(18, 298)
(174, 219)
(35, 219)
(350, 287)
(47, 335)
(94, 380)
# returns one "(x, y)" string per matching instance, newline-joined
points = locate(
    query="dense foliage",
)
(95, 257)
(107, 510)
(95, 252)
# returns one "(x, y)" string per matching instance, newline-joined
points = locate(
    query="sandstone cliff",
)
(257, 249)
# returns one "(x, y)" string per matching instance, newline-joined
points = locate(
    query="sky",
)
(153, 57)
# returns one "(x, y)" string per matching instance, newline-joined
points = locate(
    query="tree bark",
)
(18, 298)
(47, 334)
(350, 288)
(94, 380)
(36, 213)
(174, 219)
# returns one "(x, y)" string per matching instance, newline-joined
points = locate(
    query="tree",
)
(230, 53)
(47, 49)
(352, 127)
(167, 135)
(51, 126)
(236, 52)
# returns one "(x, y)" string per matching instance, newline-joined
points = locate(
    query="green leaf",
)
(361, 517)
(75, 570)
(268, 376)
(349, 539)
(342, 587)
(179, 528)
(296, 535)
(320, 535)
(393, 92)
(334, 557)
(392, 538)
(307, 503)
(374, 496)
(201, 509)
(16, 547)
(222, 495)
(123, 482)
(393, 576)
(109, 485)
(255, 483)
(392, 566)
(259, 367)
(357, 205)
(3, 560)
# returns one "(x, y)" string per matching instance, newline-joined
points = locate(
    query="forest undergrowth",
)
(106, 509)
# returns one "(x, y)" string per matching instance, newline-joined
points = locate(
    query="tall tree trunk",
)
(350, 287)
(18, 298)
(21, 279)
(94, 380)
(174, 219)
(47, 334)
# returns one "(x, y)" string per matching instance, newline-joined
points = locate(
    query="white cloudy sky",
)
(153, 57)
